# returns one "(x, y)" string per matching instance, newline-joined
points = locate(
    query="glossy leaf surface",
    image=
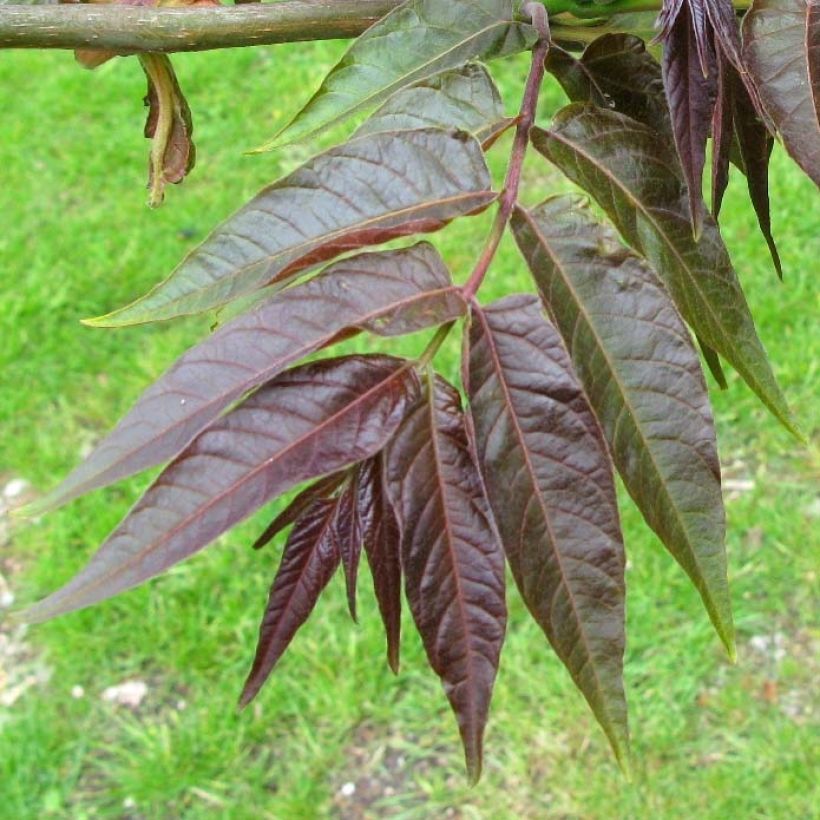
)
(465, 98)
(309, 560)
(347, 534)
(307, 422)
(415, 41)
(387, 293)
(549, 481)
(634, 357)
(320, 489)
(361, 193)
(615, 71)
(452, 562)
(781, 45)
(691, 89)
(380, 536)
(618, 161)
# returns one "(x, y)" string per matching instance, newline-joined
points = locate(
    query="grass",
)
(711, 740)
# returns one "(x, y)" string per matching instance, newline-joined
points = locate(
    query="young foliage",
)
(417, 40)
(439, 497)
(782, 50)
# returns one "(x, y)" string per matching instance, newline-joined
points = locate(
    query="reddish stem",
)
(526, 117)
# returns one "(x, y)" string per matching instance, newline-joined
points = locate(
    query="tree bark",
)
(135, 29)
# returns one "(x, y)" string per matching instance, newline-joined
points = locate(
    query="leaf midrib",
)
(400, 82)
(616, 379)
(537, 492)
(300, 249)
(648, 214)
(273, 370)
(454, 562)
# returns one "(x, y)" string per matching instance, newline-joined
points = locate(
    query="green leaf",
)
(621, 164)
(641, 372)
(465, 98)
(417, 40)
(781, 46)
(362, 193)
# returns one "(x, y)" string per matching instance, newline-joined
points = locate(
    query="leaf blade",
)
(691, 91)
(309, 560)
(781, 46)
(615, 71)
(384, 292)
(618, 162)
(380, 534)
(415, 41)
(465, 98)
(308, 422)
(647, 390)
(364, 192)
(549, 482)
(450, 557)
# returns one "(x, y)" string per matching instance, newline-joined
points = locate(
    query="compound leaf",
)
(781, 46)
(452, 562)
(549, 481)
(619, 162)
(310, 558)
(465, 98)
(364, 192)
(309, 421)
(415, 41)
(635, 359)
(388, 293)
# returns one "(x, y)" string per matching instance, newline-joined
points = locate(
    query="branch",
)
(135, 29)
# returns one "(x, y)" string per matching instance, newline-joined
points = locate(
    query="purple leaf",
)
(689, 78)
(635, 359)
(346, 533)
(722, 133)
(361, 193)
(310, 421)
(320, 489)
(380, 534)
(310, 558)
(615, 71)
(453, 565)
(781, 46)
(755, 147)
(549, 480)
(387, 293)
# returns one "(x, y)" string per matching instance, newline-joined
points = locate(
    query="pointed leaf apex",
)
(473, 768)
(625, 764)
(116, 318)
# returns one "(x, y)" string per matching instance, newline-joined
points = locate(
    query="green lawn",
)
(710, 740)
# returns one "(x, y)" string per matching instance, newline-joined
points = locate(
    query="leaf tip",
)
(473, 762)
(112, 319)
(625, 765)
